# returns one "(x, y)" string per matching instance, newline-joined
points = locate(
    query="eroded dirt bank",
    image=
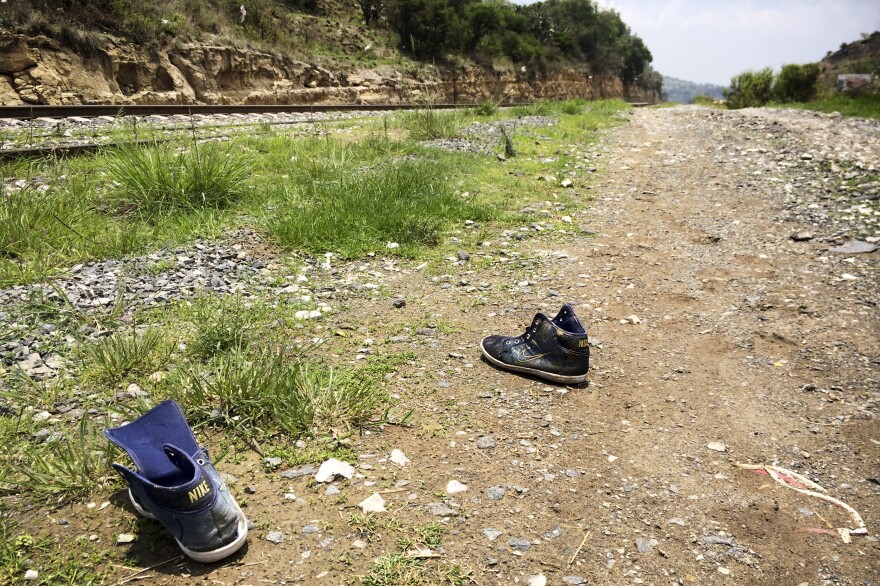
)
(40, 70)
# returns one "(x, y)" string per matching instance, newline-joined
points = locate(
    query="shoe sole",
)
(205, 557)
(557, 378)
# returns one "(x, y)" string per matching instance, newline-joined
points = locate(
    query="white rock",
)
(373, 504)
(723, 570)
(124, 538)
(306, 314)
(717, 446)
(392, 245)
(540, 580)
(31, 575)
(566, 219)
(611, 458)
(399, 458)
(455, 487)
(333, 468)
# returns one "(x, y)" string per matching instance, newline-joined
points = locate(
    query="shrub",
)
(750, 89)
(796, 83)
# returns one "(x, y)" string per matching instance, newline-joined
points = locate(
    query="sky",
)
(711, 41)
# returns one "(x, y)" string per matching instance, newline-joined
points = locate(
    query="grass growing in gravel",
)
(864, 105)
(221, 325)
(431, 124)
(356, 198)
(241, 366)
(161, 179)
(69, 463)
(44, 227)
(230, 362)
(261, 394)
(119, 355)
(316, 195)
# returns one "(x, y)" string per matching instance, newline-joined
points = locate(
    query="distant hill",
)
(679, 90)
(862, 56)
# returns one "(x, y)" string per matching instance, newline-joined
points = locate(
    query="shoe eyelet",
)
(507, 343)
(200, 461)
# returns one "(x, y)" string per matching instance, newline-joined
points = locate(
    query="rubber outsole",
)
(205, 557)
(557, 378)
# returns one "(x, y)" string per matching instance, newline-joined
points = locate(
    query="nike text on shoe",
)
(556, 349)
(176, 484)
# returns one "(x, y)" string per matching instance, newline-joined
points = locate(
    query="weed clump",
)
(258, 395)
(403, 201)
(159, 180)
(432, 124)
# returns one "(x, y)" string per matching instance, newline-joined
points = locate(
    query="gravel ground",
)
(731, 322)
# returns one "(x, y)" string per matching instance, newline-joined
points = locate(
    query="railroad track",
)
(50, 114)
(92, 111)
(116, 110)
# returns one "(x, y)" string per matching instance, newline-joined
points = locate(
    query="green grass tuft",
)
(537, 108)
(407, 202)
(160, 179)
(119, 355)
(432, 124)
(261, 394)
(573, 107)
(68, 466)
(864, 105)
(222, 325)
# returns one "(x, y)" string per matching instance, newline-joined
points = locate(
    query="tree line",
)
(574, 31)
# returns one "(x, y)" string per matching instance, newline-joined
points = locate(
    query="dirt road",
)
(718, 318)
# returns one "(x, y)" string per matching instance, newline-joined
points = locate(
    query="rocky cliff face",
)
(39, 70)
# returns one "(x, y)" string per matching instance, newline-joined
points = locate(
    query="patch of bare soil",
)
(710, 324)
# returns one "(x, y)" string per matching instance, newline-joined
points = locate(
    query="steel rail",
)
(31, 112)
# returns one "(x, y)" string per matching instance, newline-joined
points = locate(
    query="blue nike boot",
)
(556, 349)
(176, 484)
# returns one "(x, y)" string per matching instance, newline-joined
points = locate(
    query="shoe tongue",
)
(189, 488)
(183, 463)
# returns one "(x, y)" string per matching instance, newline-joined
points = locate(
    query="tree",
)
(372, 11)
(427, 28)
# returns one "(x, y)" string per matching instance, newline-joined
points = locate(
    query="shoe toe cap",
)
(494, 345)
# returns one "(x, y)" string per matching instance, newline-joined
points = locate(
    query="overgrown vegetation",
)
(703, 100)
(244, 365)
(864, 105)
(797, 86)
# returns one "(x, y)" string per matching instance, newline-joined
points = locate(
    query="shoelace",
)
(530, 331)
